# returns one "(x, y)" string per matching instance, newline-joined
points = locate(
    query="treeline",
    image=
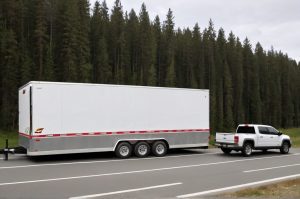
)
(56, 40)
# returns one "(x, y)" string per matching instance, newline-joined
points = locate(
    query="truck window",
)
(272, 131)
(263, 130)
(246, 129)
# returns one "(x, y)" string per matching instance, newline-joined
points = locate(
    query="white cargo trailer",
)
(63, 118)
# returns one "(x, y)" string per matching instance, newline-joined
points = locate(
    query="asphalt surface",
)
(180, 174)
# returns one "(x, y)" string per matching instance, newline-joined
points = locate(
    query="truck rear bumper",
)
(228, 145)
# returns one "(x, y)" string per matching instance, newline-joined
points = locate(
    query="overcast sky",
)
(271, 22)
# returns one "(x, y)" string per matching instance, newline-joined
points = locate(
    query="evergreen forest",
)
(73, 41)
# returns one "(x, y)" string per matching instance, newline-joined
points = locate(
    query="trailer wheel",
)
(159, 148)
(142, 149)
(123, 150)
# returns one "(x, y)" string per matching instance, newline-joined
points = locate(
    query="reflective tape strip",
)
(114, 133)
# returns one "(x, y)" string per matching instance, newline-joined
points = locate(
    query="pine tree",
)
(262, 72)
(67, 42)
(145, 58)
(228, 99)
(116, 41)
(198, 57)
(40, 38)
(9, 61)
(171, 75)
(158, 50)
(152, 78)
(210, 72)
(168, 52)
(132, 44)
(102, 72)
(82, 46)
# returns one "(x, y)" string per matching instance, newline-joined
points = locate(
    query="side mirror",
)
(279, 133)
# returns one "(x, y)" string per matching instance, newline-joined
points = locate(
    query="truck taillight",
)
(236, 139)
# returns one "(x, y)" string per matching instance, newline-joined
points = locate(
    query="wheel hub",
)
(124, 151)
(160, 149)
(143, 149)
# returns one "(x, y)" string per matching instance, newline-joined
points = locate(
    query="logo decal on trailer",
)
(39, 130)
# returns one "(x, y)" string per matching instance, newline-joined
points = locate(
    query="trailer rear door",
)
(25, 116)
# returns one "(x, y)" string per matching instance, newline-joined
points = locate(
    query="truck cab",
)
(249, 137)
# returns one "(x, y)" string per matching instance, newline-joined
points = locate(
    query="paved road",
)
(181, 174)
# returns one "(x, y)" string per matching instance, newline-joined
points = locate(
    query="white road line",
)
(100, 161)
(269, 168)
(15, 158)
(125, 191)
(141, 171)
(237, 186)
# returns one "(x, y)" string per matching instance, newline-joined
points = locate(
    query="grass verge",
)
(294, 133)
(286, 189)
(12, 137)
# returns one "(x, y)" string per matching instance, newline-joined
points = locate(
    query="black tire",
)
(226, 150)
(265, 150)
(142, 149)
(159, 148)
(285, 147)
(247, 149)
(123, 150)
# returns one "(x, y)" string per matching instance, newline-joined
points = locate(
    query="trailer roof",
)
(112, 85)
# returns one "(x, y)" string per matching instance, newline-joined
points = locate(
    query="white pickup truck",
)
(250, 137)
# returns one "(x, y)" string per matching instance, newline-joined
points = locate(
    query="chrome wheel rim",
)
(143, 149)
(248, 149)
(124, 151)
(285, 148)
(160, 149)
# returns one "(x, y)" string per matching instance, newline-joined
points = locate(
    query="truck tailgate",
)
(225, 137)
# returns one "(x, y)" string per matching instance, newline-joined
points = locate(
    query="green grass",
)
(294, 133)
(12, 137)
(286, 189)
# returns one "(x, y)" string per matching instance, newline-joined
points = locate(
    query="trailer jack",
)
(7, 150)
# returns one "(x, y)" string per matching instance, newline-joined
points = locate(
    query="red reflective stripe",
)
(39, 136)
(25, 135)
(115, 133)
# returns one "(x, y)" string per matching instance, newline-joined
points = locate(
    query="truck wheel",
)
(123, 150)
(159, 148)
(285, 148)
(142, 149)
(247, 149)
(226, 150)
